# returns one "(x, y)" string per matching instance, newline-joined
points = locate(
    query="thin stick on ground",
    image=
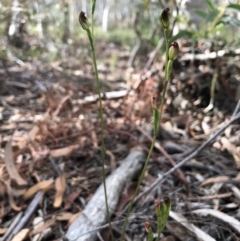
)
(194, 154)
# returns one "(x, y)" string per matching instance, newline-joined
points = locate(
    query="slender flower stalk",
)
(83, 20)
(171, 54)
(93, 5)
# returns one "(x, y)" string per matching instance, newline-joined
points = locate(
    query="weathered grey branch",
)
(94, 214)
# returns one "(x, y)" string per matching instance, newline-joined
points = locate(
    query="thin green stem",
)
(138, 186)
(102, 131)
(166, 79)
(92, 25)
(93, 5)
(164, 89)
(166, 36)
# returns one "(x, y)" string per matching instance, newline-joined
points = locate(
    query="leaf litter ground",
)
(50, 144)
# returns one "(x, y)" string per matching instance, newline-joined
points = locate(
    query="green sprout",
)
(162, 210)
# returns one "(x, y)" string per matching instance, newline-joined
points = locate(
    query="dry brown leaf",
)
(226, 144)
(65, 151)
(33, 132)
(126, 196)
(21, 235)
(71, 198)
(3, 231)
(51, 100)
(43, 226)
(238, 176)
(64, 216)
(60, 185)
(10, 165)
(2, 190)
(236, 157)
(112, 159)
(73, 218)
(214, 180)
(63, 100)
(43, 186)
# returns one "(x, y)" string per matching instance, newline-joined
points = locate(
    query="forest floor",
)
(50, 144)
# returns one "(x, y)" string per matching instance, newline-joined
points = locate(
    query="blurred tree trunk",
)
(17, 24)
(66, 27)
(38, 9)
(138, 43)
(105, 17)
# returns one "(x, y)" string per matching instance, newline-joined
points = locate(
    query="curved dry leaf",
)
(214, 180)
(71, 198)
(43, 186)
(65, 151)
(64, 216)
(60, 185)
(40, 228)
(3, 231)
(11, 197)
(232, 149)
(2, 190)
(201, 236)
(60, 105)
(10, 165)
(73, 218)
(112, 159)
(21, 235)
(33, 132)
(234, 223)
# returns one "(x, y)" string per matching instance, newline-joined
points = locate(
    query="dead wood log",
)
(95, 214)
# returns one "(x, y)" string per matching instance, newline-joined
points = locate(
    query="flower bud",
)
(167, 205)
(173, 51)
(158, 205)
(167, 201)
(154, 101)
(83, 20)
(148, 227)
(164, 18)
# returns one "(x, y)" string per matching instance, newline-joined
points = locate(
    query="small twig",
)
(236, 110)
(12, 226)
(30, 210)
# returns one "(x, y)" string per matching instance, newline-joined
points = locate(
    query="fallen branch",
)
(94, 213)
